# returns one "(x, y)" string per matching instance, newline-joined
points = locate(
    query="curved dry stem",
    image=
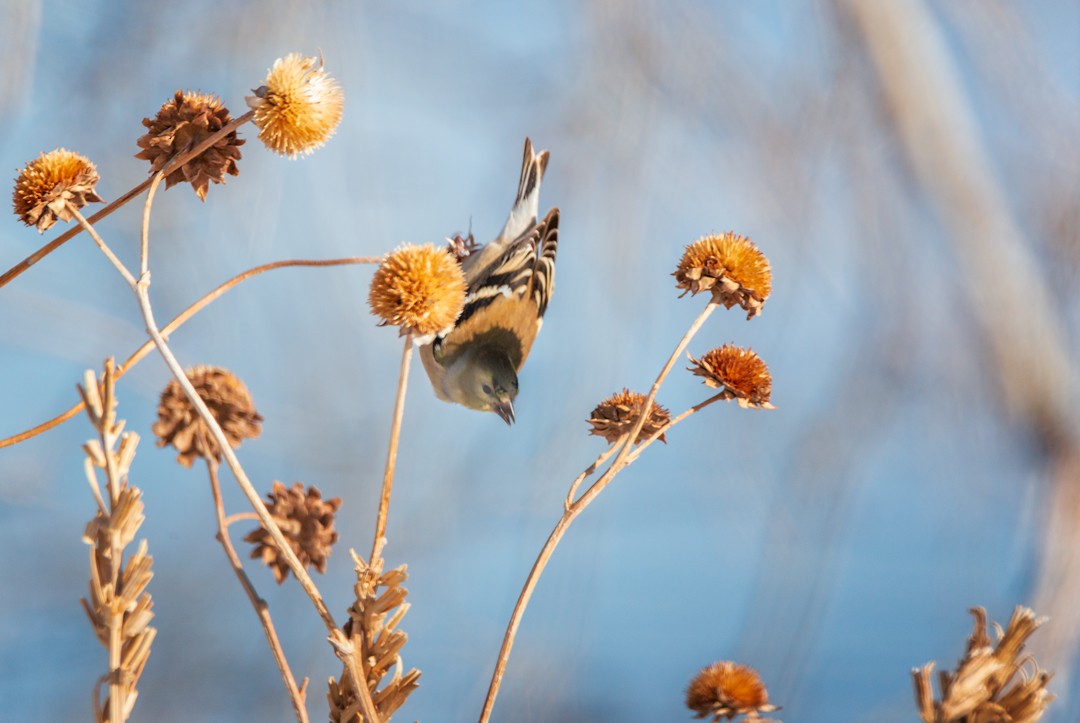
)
(604, 457)
(17, 270)
(622, 460)
(144, 253)
(239, 517)
(262, 610)
(176, 323)
(117, 264)
(391, 452)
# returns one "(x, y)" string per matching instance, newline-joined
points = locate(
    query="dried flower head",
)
(739, 372)
(299, 106)
(992, 682)
(616, 415)
(179, 423)
(419, 288)
(183, 122)
(306, 520)
(731, 267)
(48, 186)
(725, 690)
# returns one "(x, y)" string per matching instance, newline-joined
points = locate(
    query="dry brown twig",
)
(118, 606)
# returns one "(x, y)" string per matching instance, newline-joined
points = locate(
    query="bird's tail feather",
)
(527, 202)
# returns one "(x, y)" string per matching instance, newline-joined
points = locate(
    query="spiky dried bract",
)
(306, 520)
(725, 690)
(118, 605)
(616, 415)
(299, 106)
(183, 122)
(179, 423)
(419, 288)
(50, 185)
(740, 372)
(731, 267)
(992, 682)
(372, 627)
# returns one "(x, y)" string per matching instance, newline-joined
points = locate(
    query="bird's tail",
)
(527, 203)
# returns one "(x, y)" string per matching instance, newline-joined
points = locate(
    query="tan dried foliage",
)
(616, 415)
(48, 187)
(299, 106)
(731, 267)
(725, 690)
(740, 372)
(306, 520)
(419, 288)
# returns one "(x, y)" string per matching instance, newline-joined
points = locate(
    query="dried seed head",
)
(731, 267)
(739, 372)
(179, 423)
(725, 690)
(991, 682)
(419, 288)
(299, 106)
(183, 122)
(47, 185)
(306, 520)
(616, 415)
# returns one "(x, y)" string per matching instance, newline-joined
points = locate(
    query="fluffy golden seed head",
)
(419, 288)
(49, 185)
(299, 106)
(731, 267)
(725, 690)
(306, 520)
(184, 121)
(739, 372)
(180, 425)
(616, 415)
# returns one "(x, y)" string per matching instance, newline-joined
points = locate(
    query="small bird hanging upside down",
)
(510, 282)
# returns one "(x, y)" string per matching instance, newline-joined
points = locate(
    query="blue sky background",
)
(833, 544)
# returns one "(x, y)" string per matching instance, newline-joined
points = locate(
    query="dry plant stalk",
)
(373, 628)
(992, 683)
(119, 607)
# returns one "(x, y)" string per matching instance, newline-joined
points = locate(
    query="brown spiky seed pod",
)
(616, 415)
(183, 122)
(740, 372)
(49, 186)
(299, 106)
(180, 425)
(419, 288)
(306, 520)
(725, 690)
(731, 267)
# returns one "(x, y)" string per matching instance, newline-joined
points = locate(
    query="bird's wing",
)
(505, 305)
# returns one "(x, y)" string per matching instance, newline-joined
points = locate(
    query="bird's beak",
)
(505, 410)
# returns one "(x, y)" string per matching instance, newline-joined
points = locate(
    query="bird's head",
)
(485, 379)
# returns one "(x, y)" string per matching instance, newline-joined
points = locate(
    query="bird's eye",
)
(486, 388)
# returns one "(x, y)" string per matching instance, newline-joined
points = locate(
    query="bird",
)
(509, 283)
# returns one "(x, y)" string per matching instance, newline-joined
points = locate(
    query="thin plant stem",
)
(117, 264)
(262, 610)
(576, 508)
(144, 253)
(177, 322)
(392, 448)
(604, 456)
(239, 516)
(181, 159)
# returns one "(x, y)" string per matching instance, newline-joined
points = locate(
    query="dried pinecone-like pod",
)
(992, 682)
(725, 690)
(182, 123)
(306, 520)
(616, 415)
(731, 267)
(419, 288)
(180, 425)
(48, 186)
(739, 372)
(299, 106)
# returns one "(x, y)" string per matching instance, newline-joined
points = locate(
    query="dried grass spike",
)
(739, 372)
(229, 401)
(306, 520)
(183, 122)
(731, 267)
(616, 415)
(299, 106)
(49, 186)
